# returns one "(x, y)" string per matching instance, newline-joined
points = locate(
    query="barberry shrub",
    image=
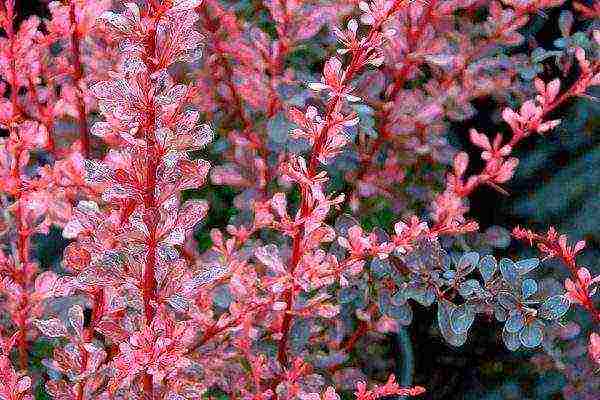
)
(123, 121)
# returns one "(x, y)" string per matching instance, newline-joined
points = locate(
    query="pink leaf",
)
(594, 348)
(461, 161)
(479, 139)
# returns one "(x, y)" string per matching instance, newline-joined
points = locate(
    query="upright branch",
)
(23, 232)
(152, 155)
(449, 208)
(78, 74)
(580, 286)
(326, 136)
(151, 126)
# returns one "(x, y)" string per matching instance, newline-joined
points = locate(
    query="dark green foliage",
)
(220, 199)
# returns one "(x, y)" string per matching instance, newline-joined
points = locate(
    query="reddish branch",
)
(77, 77)
(151, 215)
(88, 335)
(400, 78)
(22, 229)
(555, 246)
(356, 63)
(257, 142)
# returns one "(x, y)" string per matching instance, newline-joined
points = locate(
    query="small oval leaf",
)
(511, 340)
(467, 263)
(529, 288)
(507, 300)
(488, 267)
(52, 327)
(527, 265)
(509, 271)
(468, 287)
(444, 312)
(500, 313)
(532, 334)
(554, 307)
(515, 322)
(462, 318)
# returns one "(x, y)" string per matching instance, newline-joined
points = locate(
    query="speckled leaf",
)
(532, 334)
(529, 288)
(500, 313)
(444, 312)
(507, 300)
(467, 263)
(515, 322)
(487, 267)
(468, 287)
(509, 271)
(52, 327)
(511, 340)
(462, 318)
(554, 307)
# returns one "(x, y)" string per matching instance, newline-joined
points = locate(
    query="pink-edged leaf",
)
(269, 256)
(594, 347)
(208, 275)
(10, 287)
(546, 126)
(201, 137)
(23, 385)
(332, 70)
(184, 5)
(118, 21)
(552, 90)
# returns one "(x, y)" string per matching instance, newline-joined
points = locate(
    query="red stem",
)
(151, 217)
(22, 230)
(402, 74)
(77, 77)
(400, 79)
(360, 331)
(305, 208)
(256, 141)
(88, 334)
(149, 282)
(570, 262)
